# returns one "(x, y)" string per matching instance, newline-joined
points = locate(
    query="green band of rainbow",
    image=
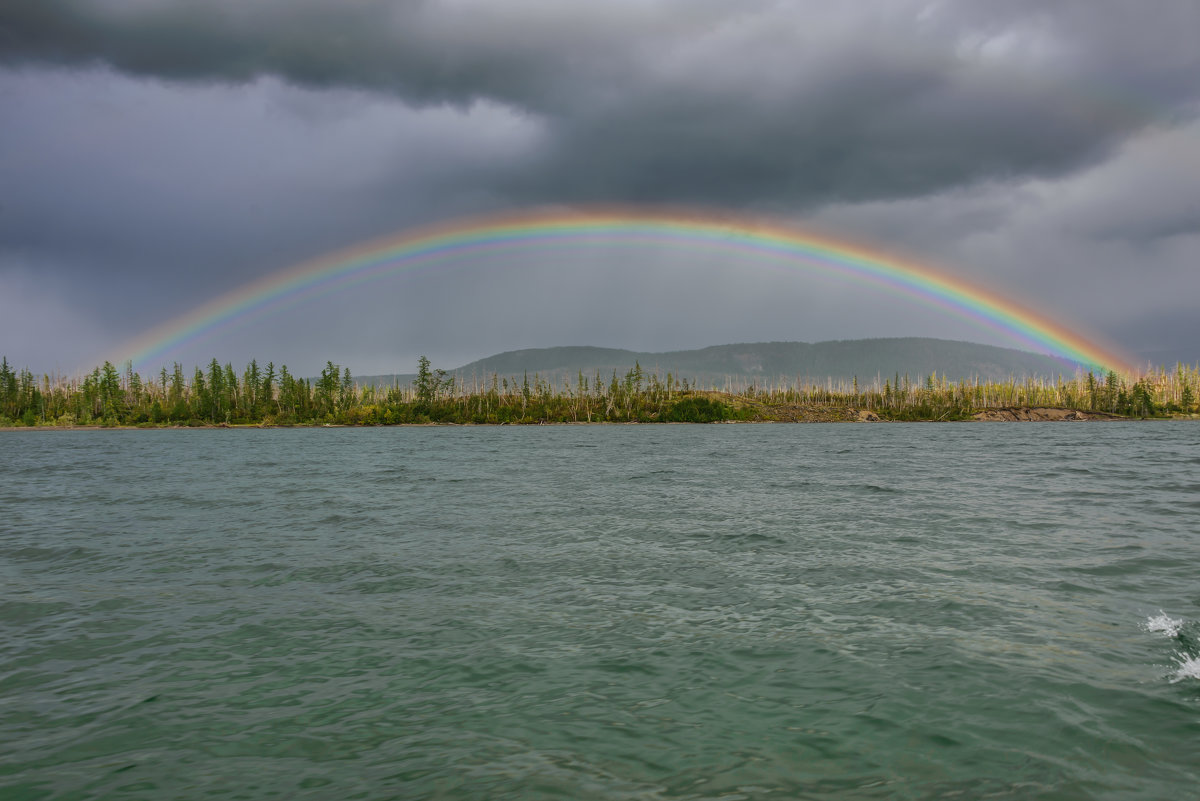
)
(413, 249)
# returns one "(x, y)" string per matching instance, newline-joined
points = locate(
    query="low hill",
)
(766, 363)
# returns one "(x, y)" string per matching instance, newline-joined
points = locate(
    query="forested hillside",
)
(772, 363)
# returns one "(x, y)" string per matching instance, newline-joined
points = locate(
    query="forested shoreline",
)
(270, 396)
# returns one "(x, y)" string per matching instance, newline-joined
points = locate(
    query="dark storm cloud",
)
(145, 182)
(766, 104)
(157, 153)
(424, 52)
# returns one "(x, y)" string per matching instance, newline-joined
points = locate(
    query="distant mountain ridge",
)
(764, 363)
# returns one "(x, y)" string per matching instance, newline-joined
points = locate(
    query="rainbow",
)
(411, 250)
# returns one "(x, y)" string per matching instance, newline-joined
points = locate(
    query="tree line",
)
(266, 395)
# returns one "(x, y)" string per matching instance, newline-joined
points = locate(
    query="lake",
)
(841, 611)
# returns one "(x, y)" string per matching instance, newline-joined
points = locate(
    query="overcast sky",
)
(155, 154)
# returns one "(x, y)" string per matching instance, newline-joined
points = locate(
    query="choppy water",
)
(618, 612)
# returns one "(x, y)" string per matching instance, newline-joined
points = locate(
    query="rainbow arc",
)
(421, 248)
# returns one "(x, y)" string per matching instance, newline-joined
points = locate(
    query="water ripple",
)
(610, 612)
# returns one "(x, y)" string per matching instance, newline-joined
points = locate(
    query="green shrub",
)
(696, 410)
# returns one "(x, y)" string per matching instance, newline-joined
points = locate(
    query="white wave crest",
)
(1167, 626)
(1189, 668)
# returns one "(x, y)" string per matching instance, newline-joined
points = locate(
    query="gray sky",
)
(155, 154)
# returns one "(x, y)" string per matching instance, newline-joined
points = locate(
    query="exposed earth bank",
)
(1036, 413)
(834, 413)
(761, 413)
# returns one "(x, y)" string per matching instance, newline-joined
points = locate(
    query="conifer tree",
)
(8, 390)
(110, 392)
(424, 383)
(266, 393)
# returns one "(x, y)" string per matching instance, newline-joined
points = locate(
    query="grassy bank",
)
(265, 396)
